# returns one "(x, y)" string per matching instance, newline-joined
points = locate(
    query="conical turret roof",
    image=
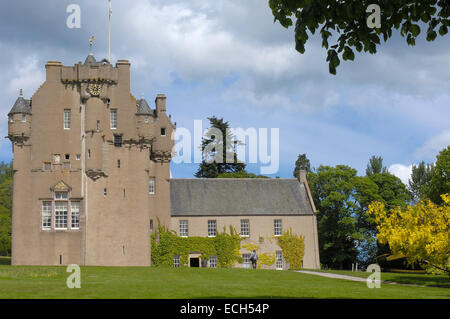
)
(142, 107)
(21, 106)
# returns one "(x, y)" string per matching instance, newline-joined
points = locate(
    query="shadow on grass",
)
(440, 282)
(5, 261)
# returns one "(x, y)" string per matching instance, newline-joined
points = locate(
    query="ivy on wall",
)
(293, 248)
(264, 258)
(165, 244)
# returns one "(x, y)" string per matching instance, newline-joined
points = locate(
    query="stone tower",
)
(91, 168)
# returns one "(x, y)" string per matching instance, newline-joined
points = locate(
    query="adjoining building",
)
(92, 178)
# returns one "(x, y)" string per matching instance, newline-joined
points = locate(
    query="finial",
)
(91, 41)
(21, 93)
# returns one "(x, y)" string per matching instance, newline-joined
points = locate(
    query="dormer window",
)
(60, 195)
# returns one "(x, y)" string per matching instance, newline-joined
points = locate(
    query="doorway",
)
(194, 262)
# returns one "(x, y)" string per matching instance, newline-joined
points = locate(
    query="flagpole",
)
(109, 31)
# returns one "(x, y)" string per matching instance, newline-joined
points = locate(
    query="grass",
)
(5, 260)
(402, 278)
(180, 283)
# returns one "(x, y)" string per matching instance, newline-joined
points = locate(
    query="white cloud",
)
(434, 145)
(401, 171)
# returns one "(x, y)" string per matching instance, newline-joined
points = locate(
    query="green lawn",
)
(403, 278)
(150, 282)
(5, 260)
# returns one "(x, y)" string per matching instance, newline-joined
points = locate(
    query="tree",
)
(219, 154)
(440, 177)
(240, 174)
(6, 191)
(349, 21)
(375, 166)
(419, 181)
(420, 232)
(333, 190)
(302, 163)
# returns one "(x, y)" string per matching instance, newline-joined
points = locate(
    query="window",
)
(118, 163)
(211, 228)
(146, 119)
(246, 260)
(67, 157)
(56, 158)
(151, 225)
(60, 195)
(67, 119)
(24, 117)
(245, 227)
(277, 229)
(184, 230)
(163, 131)
(176, 261)
(89, 153)
(75, 215)
(279, 260)
(105, 192)
(117, 140)
(113, 119)
(98, 125)
(78, 157)
(47, 166)
(46, 215)
(60, 215)
(213, 261)
(151, 185)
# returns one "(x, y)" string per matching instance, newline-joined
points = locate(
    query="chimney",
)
(160, 103)
(302, 176)
(302, 179)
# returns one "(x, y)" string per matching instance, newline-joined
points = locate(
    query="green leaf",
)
(443, 30)
(414, 29)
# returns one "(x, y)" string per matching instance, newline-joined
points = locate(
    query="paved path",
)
(337, 276)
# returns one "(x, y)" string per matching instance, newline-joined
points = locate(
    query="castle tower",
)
(91, 168)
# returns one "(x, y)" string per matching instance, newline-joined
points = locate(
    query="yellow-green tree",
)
(293, 248)
(420, 232)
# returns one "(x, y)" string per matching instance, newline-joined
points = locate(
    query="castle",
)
(92, 179)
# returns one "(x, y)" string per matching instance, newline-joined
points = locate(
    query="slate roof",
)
(21, 106)
(90, 59)
(238, 197)
(142, 107)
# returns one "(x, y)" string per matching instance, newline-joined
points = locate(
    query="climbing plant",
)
(165, 244)
(264, 258)
(293, 248)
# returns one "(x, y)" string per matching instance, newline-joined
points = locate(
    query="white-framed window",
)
(176, 260)
(213, 261)
(163, 131)
(245, 227)
(151, 185)
(184, 228)
(67, 119)
(246, 261)
(277, 227)
(56, 158)
(24, 117)
(279, 259)
(60, 215)
(151, 225)
(60, 195)
(113, 119)
(118, 140)
(212, 228)
(75, 215)
(78, 157)
(46, 215)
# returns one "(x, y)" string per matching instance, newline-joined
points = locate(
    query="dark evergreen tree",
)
(219, 151)
(375, 166)
(302, 163)
(419, 181)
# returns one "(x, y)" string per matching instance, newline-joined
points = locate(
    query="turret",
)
(144, 119)
(19, 120)
(163, 143)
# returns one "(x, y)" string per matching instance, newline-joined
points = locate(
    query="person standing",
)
(254, 258)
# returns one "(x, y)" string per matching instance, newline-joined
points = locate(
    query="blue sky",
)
(227, 58)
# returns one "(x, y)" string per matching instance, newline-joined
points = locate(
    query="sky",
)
(227, 58)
